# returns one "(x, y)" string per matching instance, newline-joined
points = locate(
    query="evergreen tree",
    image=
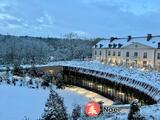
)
(76, 112)
(134, 113)
(54, 108)
(17, 70)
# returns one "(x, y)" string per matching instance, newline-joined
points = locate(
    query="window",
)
(158, 56)
(119, 53)
(95, 53)
(127, 54)
(100, 53)
(109, 53)
(114, 53)
(135, 54)
(145, 55)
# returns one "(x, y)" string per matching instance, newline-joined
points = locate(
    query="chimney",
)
(112, 39)
(149, 37)
(129, 38)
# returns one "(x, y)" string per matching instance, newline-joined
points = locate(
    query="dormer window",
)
(114, 45)
(100, 45)
(110, 45)
(119, 45)
(159, 45)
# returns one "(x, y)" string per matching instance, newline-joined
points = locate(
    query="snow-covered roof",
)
(123, 42)
(104, 44)
(151, 43)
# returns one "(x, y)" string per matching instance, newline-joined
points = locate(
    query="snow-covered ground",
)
(19, 101)
(150, 77)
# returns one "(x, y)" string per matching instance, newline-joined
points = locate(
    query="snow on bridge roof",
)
(152, 77)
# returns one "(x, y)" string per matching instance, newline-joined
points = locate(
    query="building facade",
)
(136, 52)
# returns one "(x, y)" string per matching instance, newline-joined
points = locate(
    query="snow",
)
(18, 102)
(151, 112)
(151, 43)
(145, 76)
(102, 42)
(71, 99)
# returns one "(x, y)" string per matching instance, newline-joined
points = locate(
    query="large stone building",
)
(141, 52)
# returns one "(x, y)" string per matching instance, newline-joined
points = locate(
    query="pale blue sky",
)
(90, 18)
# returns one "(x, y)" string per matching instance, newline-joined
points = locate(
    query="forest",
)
(39, 50)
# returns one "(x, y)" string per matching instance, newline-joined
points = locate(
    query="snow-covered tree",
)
(76, 112)
(134, 113)
(54, 108)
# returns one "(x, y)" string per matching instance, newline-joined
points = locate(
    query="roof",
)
(153, 42)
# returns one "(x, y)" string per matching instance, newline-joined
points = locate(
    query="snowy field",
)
(18, 102)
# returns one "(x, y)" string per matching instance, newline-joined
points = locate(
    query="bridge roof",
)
(151, 77)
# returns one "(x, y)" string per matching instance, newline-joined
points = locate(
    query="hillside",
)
(27, 49)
